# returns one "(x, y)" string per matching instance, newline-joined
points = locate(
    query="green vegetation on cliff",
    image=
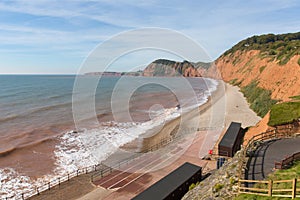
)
(280, 47)
(284, 113)
(164, 62)
(259, 98)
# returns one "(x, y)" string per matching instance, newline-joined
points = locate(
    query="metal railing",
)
(99, 170)
(53, 183)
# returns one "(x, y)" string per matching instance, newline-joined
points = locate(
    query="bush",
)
(193, 185)
(261, 69)
(283, 46)
(259, 98)
(218, 187)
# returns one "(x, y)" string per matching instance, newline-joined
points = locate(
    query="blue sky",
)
(56, 36)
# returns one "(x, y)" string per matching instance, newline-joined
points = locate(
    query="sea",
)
(40, 140)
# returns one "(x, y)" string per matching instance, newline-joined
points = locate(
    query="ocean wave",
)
(82, 149)
(79, 149)
(9, 117)
(24, 146)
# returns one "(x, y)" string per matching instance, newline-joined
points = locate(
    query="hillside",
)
(266, 68)
(163, 67)
(271, 61)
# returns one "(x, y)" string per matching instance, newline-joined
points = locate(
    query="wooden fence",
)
(281, 188)
(285, 163)
(257, 140)
(272, 188)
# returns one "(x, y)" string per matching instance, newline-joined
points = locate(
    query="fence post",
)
(22, 196)
(270, 184)
(294, 188)
(49, 185)
(68, 177)
(37, 191)
(58, 180)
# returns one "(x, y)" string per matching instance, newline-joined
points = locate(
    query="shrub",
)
(261, 69)
(218, 187)
(259, 98)
(193, 185)
(283, 46)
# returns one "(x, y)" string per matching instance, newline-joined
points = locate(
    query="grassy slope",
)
(259, 99)
(287, 174)
(284, 113)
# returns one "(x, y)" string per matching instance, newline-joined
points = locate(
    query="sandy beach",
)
(226, 104)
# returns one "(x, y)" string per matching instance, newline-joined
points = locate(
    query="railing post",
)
(294, 188)
(270, 184)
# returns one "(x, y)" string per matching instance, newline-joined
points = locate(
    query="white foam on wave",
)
(89, 147)
(77, 150)
(13, 184)
(83, 149)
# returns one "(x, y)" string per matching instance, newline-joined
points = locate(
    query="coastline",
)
(226, 102)
(171, 128)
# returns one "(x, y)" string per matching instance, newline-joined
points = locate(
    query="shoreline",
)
(227, 106)
(171, 129)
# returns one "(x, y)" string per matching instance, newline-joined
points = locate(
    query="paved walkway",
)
(263, 162)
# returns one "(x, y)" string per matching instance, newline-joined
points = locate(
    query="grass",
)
(286, 174)
(295, 97)
(261, 69)
(233, 81)
(284, 113)
(259, 98)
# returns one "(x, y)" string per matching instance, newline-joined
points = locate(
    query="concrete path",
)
(263, 162)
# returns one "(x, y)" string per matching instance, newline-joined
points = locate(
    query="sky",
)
(57, 36)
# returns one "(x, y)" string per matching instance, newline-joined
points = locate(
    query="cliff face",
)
(169, 68)
(243, 67)
(272, 61)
